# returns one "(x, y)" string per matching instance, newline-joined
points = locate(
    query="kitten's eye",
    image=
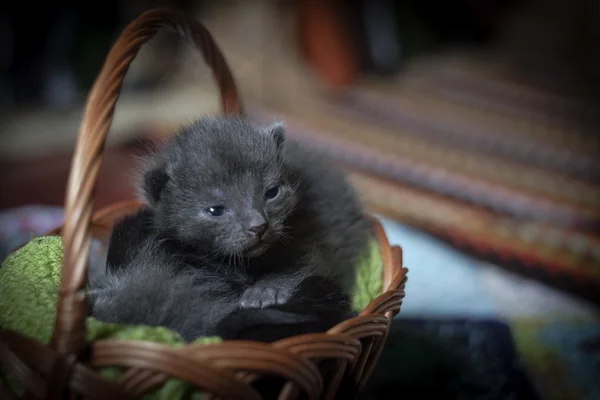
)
(272, 193)
(215, 211)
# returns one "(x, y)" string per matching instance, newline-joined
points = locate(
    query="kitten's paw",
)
(260, 296)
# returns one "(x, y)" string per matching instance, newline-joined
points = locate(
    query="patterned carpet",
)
(465, 150)
(487, 359)
(561, 356)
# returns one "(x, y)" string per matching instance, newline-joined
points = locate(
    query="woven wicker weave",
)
(69, 365)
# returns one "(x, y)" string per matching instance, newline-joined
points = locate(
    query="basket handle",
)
(69, 329)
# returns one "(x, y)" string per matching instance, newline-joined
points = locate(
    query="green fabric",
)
(369, 277)
(29, 281)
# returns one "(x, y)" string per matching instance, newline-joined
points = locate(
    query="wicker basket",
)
(69, 365)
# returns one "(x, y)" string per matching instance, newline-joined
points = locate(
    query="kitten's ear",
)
(153, 183)
(277, 132)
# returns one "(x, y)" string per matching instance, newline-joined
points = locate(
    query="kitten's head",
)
(221, 184)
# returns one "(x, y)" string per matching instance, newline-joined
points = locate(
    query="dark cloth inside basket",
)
(318, 305)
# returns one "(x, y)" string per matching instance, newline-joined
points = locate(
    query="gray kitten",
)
(157, 290)
(226, 194)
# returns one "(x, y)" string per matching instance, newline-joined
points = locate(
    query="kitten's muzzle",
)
(258, 230)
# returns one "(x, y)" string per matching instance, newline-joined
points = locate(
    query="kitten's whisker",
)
(246, 263)
(239, 260)
(242, 260)
(285, 237)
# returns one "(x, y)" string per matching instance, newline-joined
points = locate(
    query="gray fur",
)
(232, 161)
(218, 161)
(337, 227)
(316, 227)
(155, 290)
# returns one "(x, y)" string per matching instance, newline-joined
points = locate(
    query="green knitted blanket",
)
(29, 282)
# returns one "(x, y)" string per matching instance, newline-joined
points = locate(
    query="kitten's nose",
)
(257, 230)
(256, 223)
(257, 227)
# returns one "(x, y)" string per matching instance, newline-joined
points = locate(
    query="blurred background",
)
(471, 127)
